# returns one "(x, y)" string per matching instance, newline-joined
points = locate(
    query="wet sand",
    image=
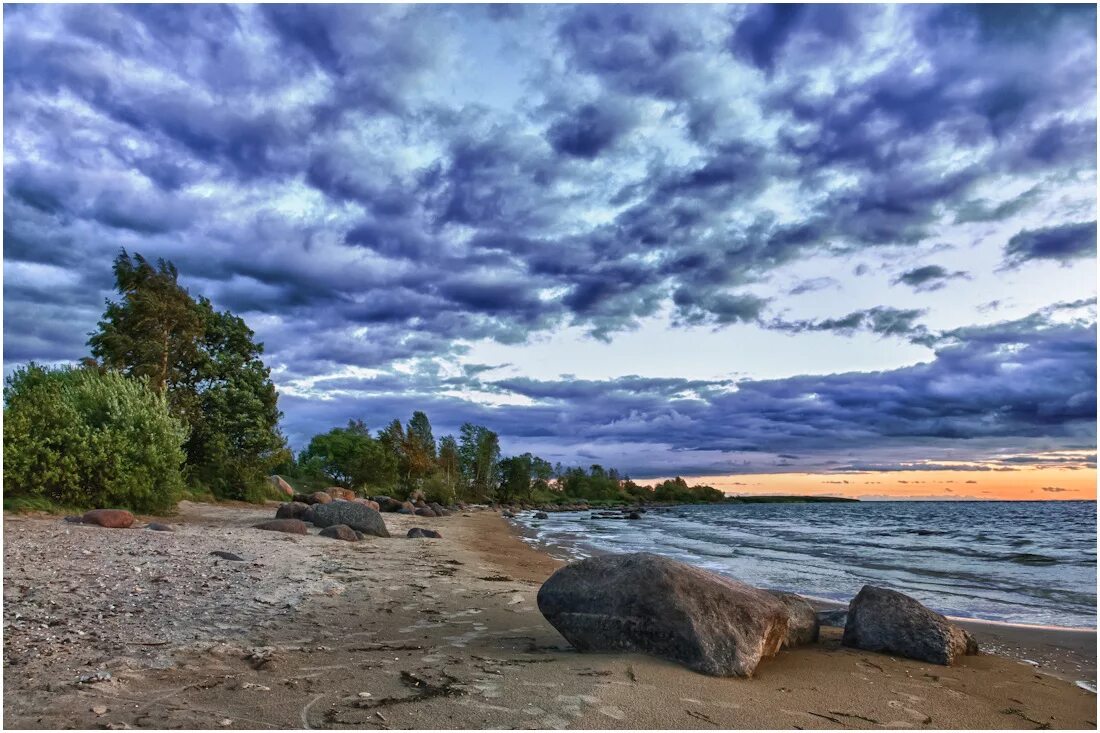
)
(400, 633)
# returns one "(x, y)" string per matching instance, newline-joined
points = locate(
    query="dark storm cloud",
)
(360, 183)
(928, 277)
(881, 320)
(1058, 243)
(591, 129)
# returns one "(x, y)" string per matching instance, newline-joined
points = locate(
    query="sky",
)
(782, 249)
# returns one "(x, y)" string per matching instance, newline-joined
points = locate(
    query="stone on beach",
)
(110, 518)
(292, 510)
(424, 533)
(158, 527)
(281, 485)
(541, 515)
(646, 603)
(423, 511)
(291, 526)
(355, 515)
(367, 502)
(802, 624)
(386, 504)
(341, 532)
(881, 620)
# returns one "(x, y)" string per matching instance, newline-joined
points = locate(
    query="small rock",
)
(90, 678)
(291, 526)
(227, 555)
(541, 515)
(100, 710)
(158, 527)
(340, 532)
(320, 497)
(292, 510)
(424, 533)
(423, 511)
(110, 518)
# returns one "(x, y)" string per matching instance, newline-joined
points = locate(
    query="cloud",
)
(928, 277)
(377, 186)
(1059, 243)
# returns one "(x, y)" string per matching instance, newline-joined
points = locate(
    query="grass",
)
(28, 505)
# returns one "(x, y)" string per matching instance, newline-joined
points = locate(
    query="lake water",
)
(1016, 562)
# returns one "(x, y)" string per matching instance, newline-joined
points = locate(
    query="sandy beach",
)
(135, 628)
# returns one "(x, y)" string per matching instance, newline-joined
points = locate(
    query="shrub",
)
(89, 438)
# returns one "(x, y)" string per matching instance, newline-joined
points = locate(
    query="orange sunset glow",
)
(1025, 484)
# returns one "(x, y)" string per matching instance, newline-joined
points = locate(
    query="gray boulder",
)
(541, 515)
(647, 603)
(424, 533)
(881, 620)
(802, 623)
(423, 511)
(357, 516)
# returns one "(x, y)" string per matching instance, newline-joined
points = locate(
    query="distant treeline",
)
(400, 459)
(175, 398)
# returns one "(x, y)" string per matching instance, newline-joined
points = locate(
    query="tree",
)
(350, 457)
(235, 442)
(479, 451)
(154, 330)
(419, 449)
(90, 438)
(393, 441)
(448, 462)
(208, 365)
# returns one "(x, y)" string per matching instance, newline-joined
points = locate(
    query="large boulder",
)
(339, 492)
(439, 509)
(281, 485)
(292, 510)
(407, 508)
(802, 623)
(647, 603)
(290, 526)
(354, 515)
(110, 518)
(341, 532)
(881, 620)
(319, 497)
(424, 511)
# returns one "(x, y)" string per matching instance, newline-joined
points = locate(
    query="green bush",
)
(89, 438)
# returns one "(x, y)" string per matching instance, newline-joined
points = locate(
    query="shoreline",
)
(1064, 652)
(399, 633)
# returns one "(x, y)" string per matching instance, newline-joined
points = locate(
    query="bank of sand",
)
(400, 633)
